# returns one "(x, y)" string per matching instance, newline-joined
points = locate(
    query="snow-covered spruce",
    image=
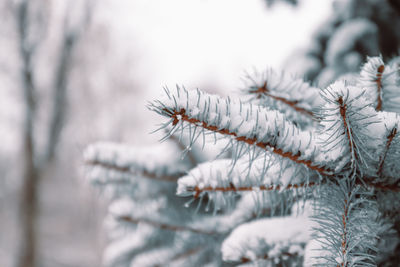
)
(345, 162)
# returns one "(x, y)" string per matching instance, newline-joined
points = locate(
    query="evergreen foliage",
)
(286, 174)
(291, 187)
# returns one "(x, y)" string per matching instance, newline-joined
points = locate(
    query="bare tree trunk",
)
(31, 175)
(28, 201)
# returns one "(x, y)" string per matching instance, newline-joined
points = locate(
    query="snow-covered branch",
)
(348, 225)
(294, 97)
(271, 238)
(116, 163)
(380, 84)
(250, 127)
(346, 126)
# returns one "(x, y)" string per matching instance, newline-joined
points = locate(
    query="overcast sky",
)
(201, 42)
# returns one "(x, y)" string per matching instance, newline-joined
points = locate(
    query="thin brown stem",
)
(263, 90)
(343, 111)
(378, 81)
(389, 140)
(232, 188)
(182, 116)
(344, 243)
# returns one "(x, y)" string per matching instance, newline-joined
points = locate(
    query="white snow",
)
(269, 237)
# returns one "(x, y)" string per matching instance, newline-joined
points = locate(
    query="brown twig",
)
(344, 234)
(181, 116)
(378, 81)
(263, 90)
(389, 140)
(232, 188)
(343, 111)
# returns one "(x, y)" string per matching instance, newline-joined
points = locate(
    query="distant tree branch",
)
(143, 173)
(165, 226)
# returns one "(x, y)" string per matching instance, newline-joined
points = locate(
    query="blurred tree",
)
(33, 19)
(272, 2)
(356, 29)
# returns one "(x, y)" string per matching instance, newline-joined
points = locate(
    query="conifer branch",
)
(131, 171)
(389, 140)
(291, 96)
(164, 226)
(347, 225)
(344, 243)
(232, 188)
(181, 116)
(380, 83)
(348, 131)
(126, 162)
(267, 238)
(348, 121)
(270, 181)
(264, 91)
(264, 129)
(267, 146)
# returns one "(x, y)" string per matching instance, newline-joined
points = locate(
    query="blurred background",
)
(79, 71)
